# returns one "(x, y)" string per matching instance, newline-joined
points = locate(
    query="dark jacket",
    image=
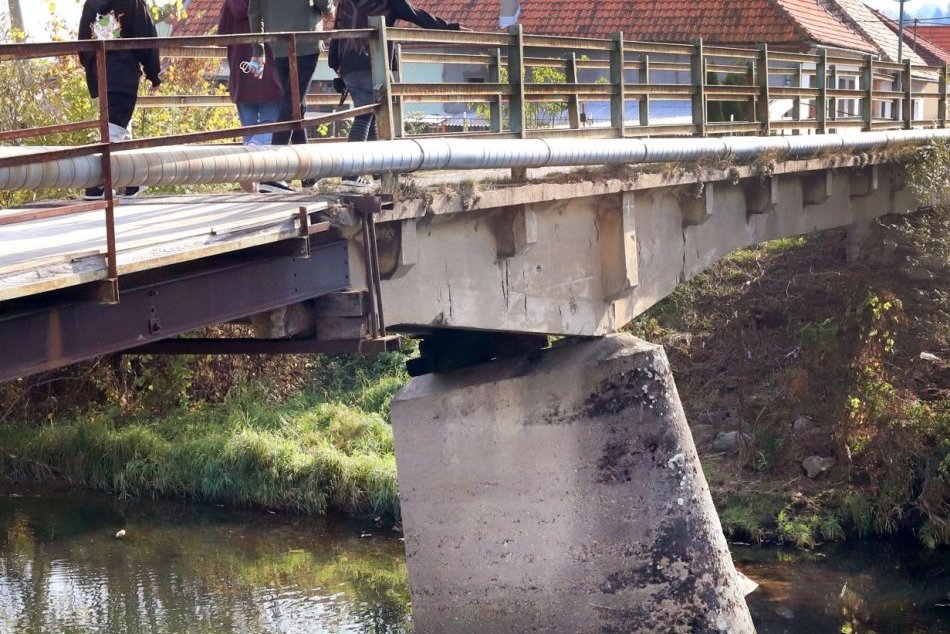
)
(123, 68)
(276, 16)
(244, 87)
(351, 55)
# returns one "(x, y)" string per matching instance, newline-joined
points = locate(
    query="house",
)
(939, 35)
(915, 38)
(790, 25)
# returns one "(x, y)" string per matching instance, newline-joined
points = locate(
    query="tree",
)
(16, 15)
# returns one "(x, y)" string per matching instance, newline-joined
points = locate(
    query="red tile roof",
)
(790, 23)
(939, 35)
(932, 54)
(478, 15)
(201, 18)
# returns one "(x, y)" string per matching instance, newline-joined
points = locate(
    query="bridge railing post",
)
(573, 101)
(645, 99)
(699, 88)
(399, 126)
(762, 104)
(382, 86)
(517, 122)
(750, 81)
(833, 101)
(908, 95)
(942, 101)
(109, 291)
(618, 100)
(296, 98)
(821, 102)
(867, 103)
(495, 105)
(797, 100)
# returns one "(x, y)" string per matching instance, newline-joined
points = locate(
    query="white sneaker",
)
(276, 187)
(358, 184)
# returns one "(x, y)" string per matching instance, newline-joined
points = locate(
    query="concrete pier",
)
(560, 492)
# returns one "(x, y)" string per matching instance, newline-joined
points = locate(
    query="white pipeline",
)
(203, 164)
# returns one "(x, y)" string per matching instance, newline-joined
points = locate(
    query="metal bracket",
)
(366, 207)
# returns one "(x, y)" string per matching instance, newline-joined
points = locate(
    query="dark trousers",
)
(306, 65)
(360, 85)
(121, 107)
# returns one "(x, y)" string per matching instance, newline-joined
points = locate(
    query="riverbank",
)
(323, 446)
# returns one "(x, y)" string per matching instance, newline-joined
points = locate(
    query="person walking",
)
(350, 58)
(108, 20)
(257, 99)
(274, 16)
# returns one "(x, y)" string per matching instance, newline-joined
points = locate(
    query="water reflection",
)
(186, 569)
(183, 568)
(867, 587)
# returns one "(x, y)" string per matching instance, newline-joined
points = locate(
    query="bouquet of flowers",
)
(106, 27)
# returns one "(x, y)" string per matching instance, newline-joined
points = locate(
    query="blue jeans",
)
(256, 114)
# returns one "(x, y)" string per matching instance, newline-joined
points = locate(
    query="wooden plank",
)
(138, 226)
(91, 269)
(17, 267)
(49, 254)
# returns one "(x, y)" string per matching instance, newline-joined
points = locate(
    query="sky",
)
(36, 15)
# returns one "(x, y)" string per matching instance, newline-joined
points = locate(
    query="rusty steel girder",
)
(45, 337)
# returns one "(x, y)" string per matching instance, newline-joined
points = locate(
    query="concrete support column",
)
(560, 492)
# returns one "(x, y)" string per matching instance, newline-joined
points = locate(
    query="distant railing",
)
(619, 72)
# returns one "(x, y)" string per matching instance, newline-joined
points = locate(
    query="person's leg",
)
(249, 114)
(258, 114)
(121, 107)
(268, 113)
(360, 85)
(286, 112)
(306, 65)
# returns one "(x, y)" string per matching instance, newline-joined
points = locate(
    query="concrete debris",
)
(927, 356)
(802, 425)
(728, 440)
(816, 465)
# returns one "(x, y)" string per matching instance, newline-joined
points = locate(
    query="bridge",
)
(556, 490)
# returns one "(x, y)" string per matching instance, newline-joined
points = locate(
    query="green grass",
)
(327, 448)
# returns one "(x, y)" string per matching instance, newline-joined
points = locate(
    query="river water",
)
(184, 568)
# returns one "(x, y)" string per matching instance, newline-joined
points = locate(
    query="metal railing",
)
(620, 73)
(211, 46)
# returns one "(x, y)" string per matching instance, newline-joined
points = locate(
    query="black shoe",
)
(132, 192)
(94, 193)
(276, 187)
(309, 182)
